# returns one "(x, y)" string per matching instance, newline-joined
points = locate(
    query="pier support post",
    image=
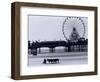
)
(51, 50)
(39, 50)
(34, 51)
(66, 49)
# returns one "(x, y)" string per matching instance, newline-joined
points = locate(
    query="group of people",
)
(51, 61)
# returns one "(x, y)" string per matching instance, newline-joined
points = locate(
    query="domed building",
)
(77, 43)
(74, 35)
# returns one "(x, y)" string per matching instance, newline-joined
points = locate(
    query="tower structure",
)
(74, 36)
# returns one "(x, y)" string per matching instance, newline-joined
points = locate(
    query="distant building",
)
(74, 35)
(74, 44)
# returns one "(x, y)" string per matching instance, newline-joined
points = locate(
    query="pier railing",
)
(69, 46)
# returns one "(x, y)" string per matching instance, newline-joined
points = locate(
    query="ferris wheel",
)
(71, 23)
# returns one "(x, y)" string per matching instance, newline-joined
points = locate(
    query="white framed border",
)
(25, 70)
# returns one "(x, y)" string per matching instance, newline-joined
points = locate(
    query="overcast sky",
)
(47, 28)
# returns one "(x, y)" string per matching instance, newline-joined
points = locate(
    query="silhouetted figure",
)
(44, 61)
